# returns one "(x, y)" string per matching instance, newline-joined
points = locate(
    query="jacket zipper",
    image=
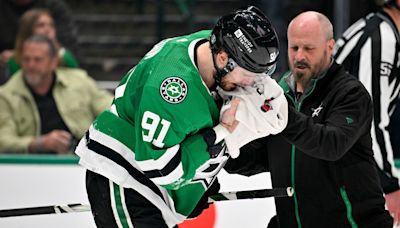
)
(297, 106)
(293, 158)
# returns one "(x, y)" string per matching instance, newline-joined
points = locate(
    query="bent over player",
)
(154, 155)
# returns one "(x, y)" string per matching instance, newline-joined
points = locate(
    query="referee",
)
(370, 50)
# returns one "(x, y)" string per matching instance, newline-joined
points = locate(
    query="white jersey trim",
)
(171, 177)
(161, 162)
(109, 169)
(115, 145)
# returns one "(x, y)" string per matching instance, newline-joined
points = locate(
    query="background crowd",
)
(48, 99)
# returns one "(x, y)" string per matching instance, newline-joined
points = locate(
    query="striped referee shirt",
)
(369, 50)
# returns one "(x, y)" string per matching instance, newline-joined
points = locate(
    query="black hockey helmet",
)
(249, 39)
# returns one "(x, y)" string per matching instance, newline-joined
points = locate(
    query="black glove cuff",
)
(209, 136)
(203, 202)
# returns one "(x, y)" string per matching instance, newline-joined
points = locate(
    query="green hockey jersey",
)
(150, 138)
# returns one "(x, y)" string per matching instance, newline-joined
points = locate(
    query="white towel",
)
(263, 110)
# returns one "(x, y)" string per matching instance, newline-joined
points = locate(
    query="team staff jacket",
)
(151, 140)
(77, 98)
(324, 153)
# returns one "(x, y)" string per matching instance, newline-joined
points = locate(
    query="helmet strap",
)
(221, 72)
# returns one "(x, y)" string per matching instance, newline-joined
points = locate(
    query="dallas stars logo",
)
(173, 90)
(316, 111)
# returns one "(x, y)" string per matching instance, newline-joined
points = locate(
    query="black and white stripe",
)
(107, 156)
(120, 161)
(167, 169)
(369, 50)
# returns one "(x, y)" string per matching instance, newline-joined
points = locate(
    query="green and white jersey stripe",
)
(118, 206)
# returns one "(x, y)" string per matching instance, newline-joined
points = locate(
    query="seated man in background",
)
(45, 108)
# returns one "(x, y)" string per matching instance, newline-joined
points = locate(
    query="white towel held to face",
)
(263, 110)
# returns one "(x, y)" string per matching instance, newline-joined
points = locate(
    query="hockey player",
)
(154, 154)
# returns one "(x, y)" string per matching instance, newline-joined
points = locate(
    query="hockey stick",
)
(55, 209)
(252, 194)
(223, 196)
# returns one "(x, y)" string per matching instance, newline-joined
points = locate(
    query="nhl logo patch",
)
(173, 90)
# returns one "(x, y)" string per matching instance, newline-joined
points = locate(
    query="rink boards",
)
(40, 181)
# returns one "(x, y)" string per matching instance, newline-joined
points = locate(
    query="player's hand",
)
(228, 119)
(213, 189)
(393, 205)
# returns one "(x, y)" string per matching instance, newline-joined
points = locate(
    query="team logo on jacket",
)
(173, 90)
(316, 111)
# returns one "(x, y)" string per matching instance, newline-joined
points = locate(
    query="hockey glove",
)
(203, 203)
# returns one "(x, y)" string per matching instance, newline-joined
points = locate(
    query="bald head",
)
(310, 46)
(313, 20)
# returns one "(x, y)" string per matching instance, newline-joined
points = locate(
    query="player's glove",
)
(218, 156)
(203, 203)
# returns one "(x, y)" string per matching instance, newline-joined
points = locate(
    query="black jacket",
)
(325, 154)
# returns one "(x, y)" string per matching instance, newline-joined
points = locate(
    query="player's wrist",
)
(220, 132)
(214, 135)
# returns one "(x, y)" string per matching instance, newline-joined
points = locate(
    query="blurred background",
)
(108, 37)
(113, 35)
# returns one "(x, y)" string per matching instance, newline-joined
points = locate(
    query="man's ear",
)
(222, 59)
(331, 45)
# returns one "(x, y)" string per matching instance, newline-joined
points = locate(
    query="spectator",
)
(325, 151)
(11, 11)
(370, 50)
(38, 21)
(45, 108)
(160, 144)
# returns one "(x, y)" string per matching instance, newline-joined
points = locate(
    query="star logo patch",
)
(173, 90)
(316, 111)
